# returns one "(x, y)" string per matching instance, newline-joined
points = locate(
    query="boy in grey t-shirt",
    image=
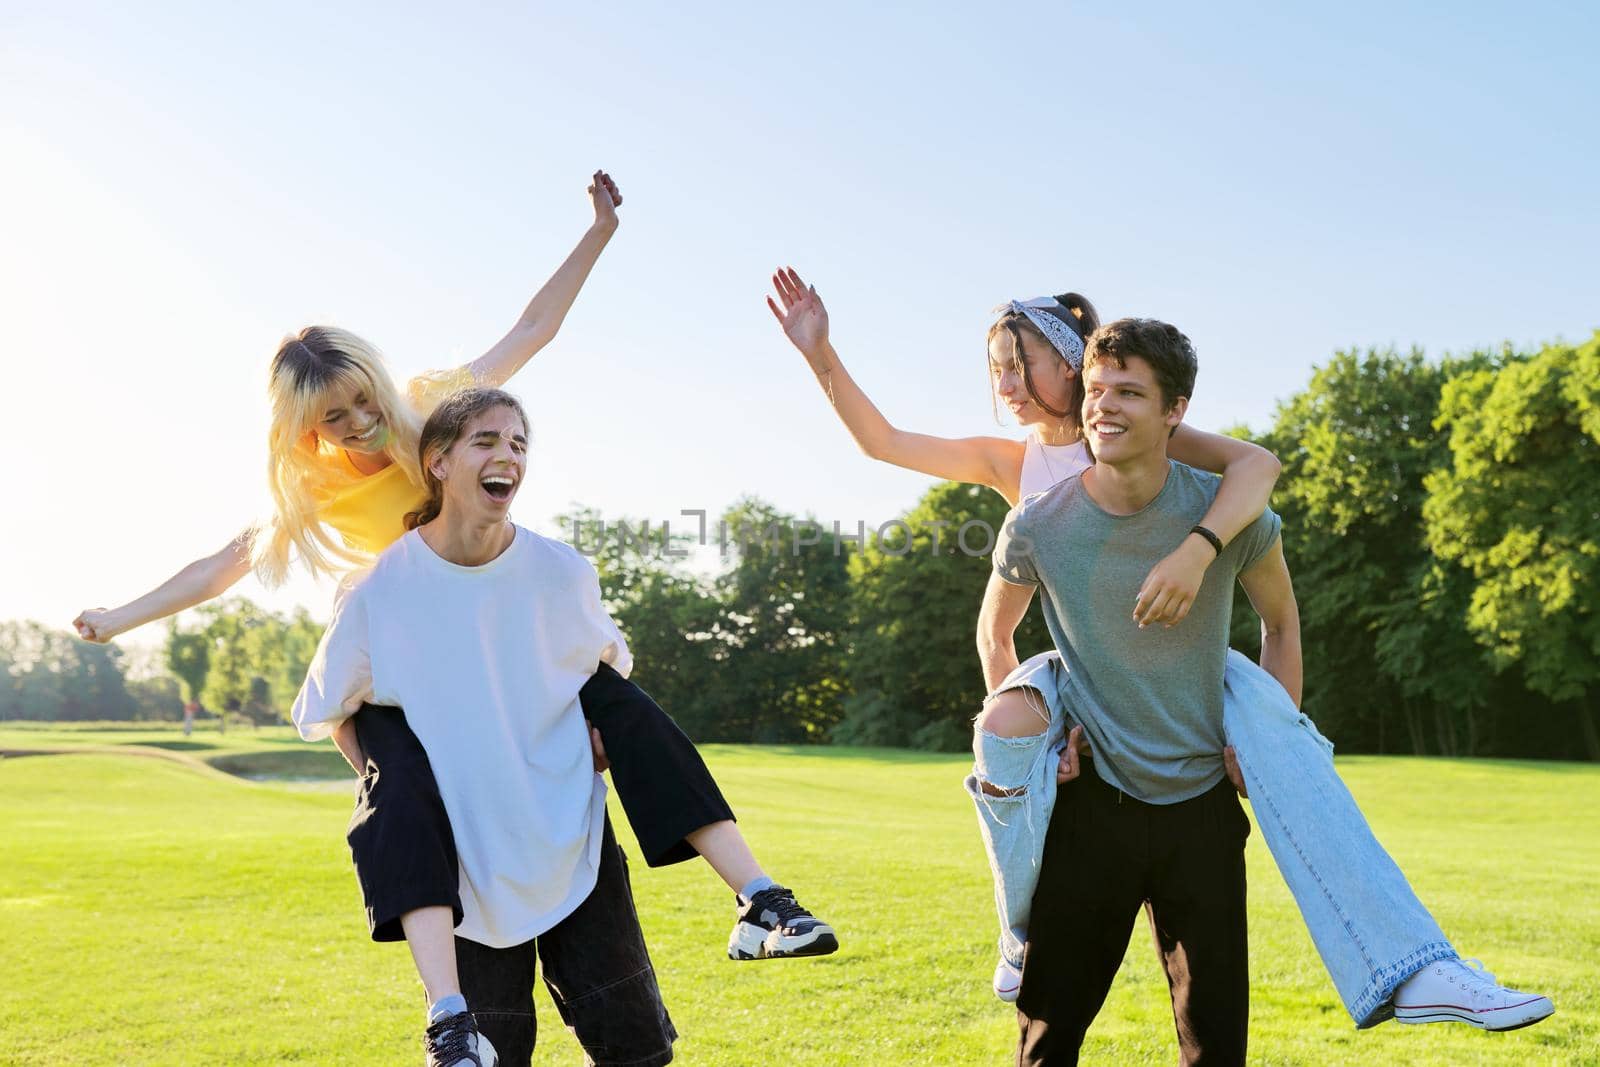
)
(1155, 822)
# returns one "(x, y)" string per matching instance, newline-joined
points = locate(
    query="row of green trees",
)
(1442, 521)
(50, 675)
(235, 658)
(242, 659)
(1441, 518)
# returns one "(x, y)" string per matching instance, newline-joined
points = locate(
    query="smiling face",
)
(482, 470)
(1125, 416)
(1052, 376)
(351, 419)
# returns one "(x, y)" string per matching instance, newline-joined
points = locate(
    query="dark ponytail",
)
(1088, 319)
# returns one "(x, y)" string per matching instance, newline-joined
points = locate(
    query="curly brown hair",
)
(1164, 347)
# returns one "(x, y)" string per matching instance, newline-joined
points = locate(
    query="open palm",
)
(800, 311)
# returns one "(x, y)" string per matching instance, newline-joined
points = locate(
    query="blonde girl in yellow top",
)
(343, 473)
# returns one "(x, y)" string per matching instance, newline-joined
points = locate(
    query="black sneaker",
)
(454, 1041)
(774, 925)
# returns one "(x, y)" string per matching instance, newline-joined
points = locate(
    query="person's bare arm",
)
(991, 461)
(1249, 473)
(349, 745)
(1266, 582)
(202, 580)
(1004, 606)
(542, 318)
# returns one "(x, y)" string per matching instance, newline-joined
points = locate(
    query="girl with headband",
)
(1386, 954)
(343, 473)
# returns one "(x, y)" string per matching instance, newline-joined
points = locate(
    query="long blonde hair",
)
(300, 467)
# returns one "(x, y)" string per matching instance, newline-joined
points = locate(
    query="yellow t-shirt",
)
(369, 510)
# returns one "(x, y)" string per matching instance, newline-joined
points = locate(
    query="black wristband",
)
(1215, 541)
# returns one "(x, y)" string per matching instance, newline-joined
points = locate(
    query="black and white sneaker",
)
(454, 1041)
(774, 925)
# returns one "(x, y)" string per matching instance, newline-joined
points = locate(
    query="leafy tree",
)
(188, 660)
(784, 602)
(230, 681)
(667, 612)
(50, 675)
(158, 698)
(916, 589)
(1380, 617)
(1519, 506)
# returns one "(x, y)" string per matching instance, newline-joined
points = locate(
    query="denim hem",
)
(1374, 1005)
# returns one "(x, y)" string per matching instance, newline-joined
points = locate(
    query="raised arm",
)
(1004, 606)
(544, 314)
(992, 461)
(1248, 474)
(202, 580)
(1266, 582)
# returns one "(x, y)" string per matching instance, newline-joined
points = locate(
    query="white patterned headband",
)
(1062, 338)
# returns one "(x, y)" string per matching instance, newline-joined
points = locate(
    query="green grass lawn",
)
(154, 912)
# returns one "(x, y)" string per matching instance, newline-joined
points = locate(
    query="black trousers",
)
(400, 839)
(597, 970)
(1105, 856)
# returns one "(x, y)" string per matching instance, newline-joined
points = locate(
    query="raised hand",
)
(802, 316)
(96, 625)
(606, 198)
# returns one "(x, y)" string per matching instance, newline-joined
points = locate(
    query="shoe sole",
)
(1499, 1021)
(819, 942)
(751, 942)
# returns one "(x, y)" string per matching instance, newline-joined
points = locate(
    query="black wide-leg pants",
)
(1106, 855)
(400, 838)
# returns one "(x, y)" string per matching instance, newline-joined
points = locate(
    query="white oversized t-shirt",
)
(486, 663)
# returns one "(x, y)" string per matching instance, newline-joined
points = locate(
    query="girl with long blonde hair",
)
(344, 473)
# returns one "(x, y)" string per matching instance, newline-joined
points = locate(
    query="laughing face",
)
(483, 470)
(1050, 374)
(352, 420)
(1124, 414)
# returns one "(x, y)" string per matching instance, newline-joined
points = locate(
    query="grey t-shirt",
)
(1149, 701)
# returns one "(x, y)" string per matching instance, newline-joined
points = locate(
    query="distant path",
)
(121, 750)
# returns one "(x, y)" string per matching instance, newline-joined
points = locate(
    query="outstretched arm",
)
(1266, 583)
(202, 580)
(1248, 474)
(544, 314)
(991, 461)
(1004, 606)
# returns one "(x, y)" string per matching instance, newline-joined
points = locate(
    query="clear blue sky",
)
(184, 185)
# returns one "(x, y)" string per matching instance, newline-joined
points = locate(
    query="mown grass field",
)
(152, 912)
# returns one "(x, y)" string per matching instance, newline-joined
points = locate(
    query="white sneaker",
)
(1007, 981)
(1450, 991)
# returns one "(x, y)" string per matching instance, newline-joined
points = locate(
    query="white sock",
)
(446, 1006)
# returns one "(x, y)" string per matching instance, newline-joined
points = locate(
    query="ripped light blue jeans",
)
(1369, 927)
